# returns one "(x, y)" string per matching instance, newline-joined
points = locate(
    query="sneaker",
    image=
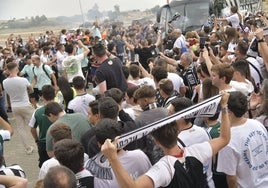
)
(30, 150)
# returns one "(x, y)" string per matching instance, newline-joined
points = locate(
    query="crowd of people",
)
(76, 93)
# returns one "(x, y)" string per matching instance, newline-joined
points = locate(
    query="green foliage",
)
(32, 22)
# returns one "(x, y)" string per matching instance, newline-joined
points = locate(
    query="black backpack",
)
(189, 174)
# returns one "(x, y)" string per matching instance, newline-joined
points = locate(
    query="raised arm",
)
(262, 46)
(168, 60)
(225, 134)
(158, 42)
(207, 60)
(109, 149)
(144, 72)
(130, 46)
(81, 45)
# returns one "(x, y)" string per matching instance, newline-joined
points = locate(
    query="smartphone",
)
(202, 42)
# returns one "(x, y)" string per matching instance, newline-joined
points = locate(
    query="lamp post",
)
(82, 13)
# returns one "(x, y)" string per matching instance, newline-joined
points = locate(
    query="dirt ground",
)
(15, 154)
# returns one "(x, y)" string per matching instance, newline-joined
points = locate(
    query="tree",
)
(43, 18)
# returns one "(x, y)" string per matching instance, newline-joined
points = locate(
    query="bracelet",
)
(261, 40)
(224, 109)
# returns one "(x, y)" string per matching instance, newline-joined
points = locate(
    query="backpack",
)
(189, 174)
(43, 66)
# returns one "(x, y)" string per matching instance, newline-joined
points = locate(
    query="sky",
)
(10, 9)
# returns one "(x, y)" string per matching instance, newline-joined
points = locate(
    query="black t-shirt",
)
(190, 79)
(111, 72)
(144, 54)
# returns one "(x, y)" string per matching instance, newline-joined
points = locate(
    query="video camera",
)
(175, 16)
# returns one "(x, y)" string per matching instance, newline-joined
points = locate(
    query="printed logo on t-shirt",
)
(252, 149)
(71, 66)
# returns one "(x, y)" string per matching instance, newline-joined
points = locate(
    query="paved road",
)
(15, 154)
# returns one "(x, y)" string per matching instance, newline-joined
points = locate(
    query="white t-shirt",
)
(16, 88)
(63, 38)
(234, 19)
(135, 162)
(51, 163)
(46, 166)
(180, 42)
(143, 81)
(79, 104)
(195, 135)
(5, 134)
(163, 171)
(72, 66)
(176, 80)
(253, 71)
(245, 87)
(246, 155)
(44, 58)
(60, 57)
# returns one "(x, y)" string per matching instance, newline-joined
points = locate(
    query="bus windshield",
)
(193, 15)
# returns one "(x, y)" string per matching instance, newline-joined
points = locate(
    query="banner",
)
(99, 166)
(205, 108)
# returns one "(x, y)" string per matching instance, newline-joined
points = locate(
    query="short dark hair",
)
(45, 48)
(159, 73)
(134, 70)
(145, 92)
(182, 103)
(69, 48)
(79, 82)
(130, 92)
(108, 108)
(208, 89)
(70, 153)
(242, 66)
(94, 106)
(11, 66)
(60, 177)
(48, 92)
(224, 70)
(166, 86)
(116, 94)
(53, 108)
(99, 50)
(125, 70)
(234, 9)
(237, 103)
(242, 47)
(107, 128)
(224, 45)
(60, 131)
(167, 135)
